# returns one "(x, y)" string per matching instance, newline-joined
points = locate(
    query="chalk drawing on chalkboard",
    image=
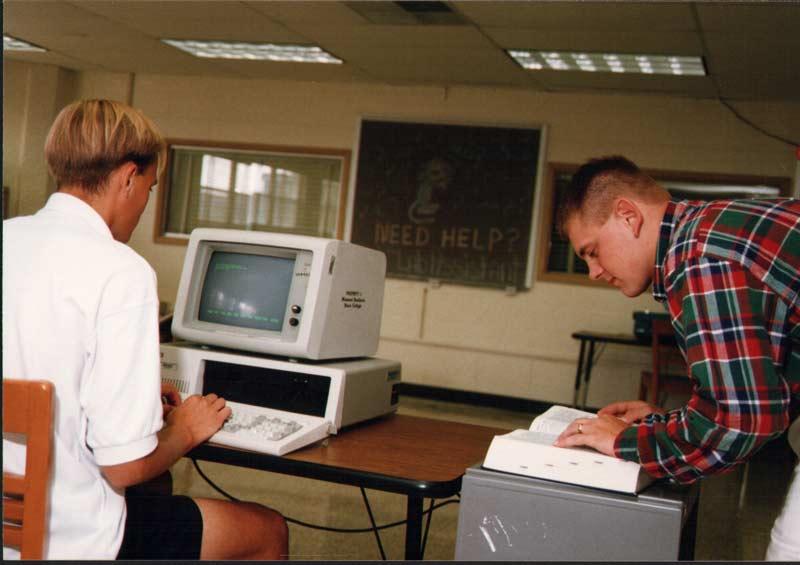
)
(433, 182)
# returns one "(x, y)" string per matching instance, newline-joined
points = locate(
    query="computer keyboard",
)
(260, 426)
(269, 431)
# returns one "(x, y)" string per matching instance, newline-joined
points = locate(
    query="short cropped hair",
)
(91, 138)
(597, 183)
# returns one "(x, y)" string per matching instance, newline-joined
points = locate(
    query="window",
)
(248, 187)
(557, 260)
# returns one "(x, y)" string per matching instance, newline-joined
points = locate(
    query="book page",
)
(556, 419)
(534, 437)
(543, 438)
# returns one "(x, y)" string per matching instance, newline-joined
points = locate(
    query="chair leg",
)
(643, 385)
(743, 487)
(654, 390)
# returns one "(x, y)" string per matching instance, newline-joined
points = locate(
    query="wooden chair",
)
(668, 374)
(28, 410)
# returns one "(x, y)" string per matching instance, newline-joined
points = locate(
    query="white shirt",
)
(81, 310)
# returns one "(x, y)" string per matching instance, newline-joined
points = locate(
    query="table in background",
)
(586, 357)
(417, 457)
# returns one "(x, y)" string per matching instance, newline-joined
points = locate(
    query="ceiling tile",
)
(443, 66)
(44, 19)
(51, 58)
(758, 79)
(753, 67)
(294, 14)
(738, 86)
(583, 16)
(399, 36)
(674, 43)
(753, 53)
(222, 21)
(772, 18)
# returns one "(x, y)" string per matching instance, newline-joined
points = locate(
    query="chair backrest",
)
(28, 410)
(669, 372)
(663, 344)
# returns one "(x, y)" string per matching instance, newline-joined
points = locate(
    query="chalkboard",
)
(447, 202)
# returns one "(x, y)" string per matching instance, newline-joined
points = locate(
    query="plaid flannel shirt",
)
(728, 272)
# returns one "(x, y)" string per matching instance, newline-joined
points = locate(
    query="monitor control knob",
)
(296, 308)
(293, 321)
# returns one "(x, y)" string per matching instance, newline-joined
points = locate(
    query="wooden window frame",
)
(159, 227)
(547, 214)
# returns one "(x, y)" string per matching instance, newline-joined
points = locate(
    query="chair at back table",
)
(28, 410)
(668, 374)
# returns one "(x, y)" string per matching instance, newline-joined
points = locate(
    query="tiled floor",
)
(726, 531)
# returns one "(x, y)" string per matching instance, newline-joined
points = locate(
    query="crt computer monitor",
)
(280, 294)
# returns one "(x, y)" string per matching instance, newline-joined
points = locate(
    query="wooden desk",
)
(586, 357)
(418, 457)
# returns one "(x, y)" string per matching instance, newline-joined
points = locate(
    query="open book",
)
(531, 452)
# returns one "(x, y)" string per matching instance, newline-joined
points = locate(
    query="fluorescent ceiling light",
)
(14, 44)
(609, 62)
(254, 51)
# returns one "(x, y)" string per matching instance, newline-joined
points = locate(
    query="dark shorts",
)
(162, 527)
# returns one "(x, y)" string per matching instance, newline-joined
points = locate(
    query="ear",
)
(628, 212)
(125, 174)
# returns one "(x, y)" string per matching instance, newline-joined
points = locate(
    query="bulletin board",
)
(450, 203)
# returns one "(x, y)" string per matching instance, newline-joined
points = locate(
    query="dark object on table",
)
(643, 324)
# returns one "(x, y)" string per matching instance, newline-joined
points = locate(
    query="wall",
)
(461, 337)
(32, 96)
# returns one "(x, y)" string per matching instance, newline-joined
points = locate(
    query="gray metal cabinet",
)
(509, 517)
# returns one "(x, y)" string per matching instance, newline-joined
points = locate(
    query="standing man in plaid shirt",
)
(727, 271)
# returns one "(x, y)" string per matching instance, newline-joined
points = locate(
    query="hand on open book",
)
(630, 410)
(598, 433)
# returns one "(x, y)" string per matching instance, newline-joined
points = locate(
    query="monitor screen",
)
(246, 290)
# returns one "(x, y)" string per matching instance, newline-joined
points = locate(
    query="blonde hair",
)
(91, 138)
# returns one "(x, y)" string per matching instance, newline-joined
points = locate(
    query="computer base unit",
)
(505, 517)
(341, 392)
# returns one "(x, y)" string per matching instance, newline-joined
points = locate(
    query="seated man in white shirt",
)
(80, 309)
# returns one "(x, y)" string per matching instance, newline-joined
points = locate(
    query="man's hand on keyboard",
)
(199, 416)
(170, 398)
